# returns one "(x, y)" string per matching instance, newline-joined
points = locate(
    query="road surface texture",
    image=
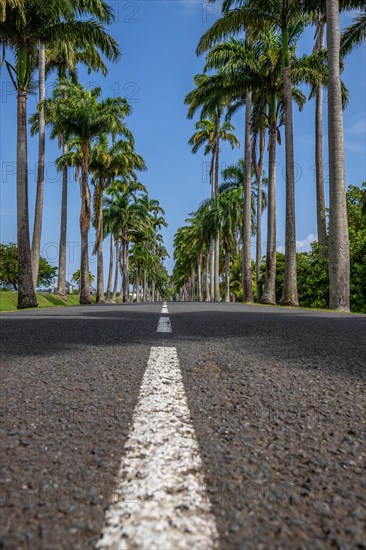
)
(191, 426)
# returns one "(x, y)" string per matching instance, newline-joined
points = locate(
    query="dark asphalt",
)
(277, 401)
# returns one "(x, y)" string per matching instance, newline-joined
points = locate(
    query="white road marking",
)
(170, 509)
(164, 325)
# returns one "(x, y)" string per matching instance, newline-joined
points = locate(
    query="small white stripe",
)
(164, 309)
(170, 509)
(164, 325)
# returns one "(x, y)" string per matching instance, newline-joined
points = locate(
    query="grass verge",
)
(8, 300)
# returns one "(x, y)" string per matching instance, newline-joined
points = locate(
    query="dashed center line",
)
(164, 325)
(170, 508)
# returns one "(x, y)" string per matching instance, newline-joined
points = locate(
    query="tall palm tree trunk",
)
(217, 270)
(153, 281)
(85, 214)
(339, 268)
(37, 228)
(199, 276)
(61, 281)
(100, 269)
(212, 271)
(227, 276)
(116, 271)
(193, 289)
(121, 262)
(213, 244)
(216, 192)
(100, 275)
(319, 162)
(145, 286)
(259, 177)
(110, 272)
(84, 229)
(138, 290)
(206, 278)
(126, 275)
(247, 213)
(289, 293)
(269, 291)
(26, 294)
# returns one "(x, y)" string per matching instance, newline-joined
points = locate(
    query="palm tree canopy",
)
(76, 112)
(206, 135)
(355, 34)
(32, 22)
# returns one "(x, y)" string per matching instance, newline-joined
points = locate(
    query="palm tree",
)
(229, 206)
(158, 222)
(260, 68)
(138, 258)
(258, 141)
(289, 19)
(91, 58)
(233, 176)
(237, 61)
(64, 58)
(198, 239)
(339, 267)
(107, 163)
(210, 133)
(185, 256)
(224, 57)
(99, 163)
(319, 20)
(25, 26)
(80, 113)
(151, 215)
(355, 34)
(122, 212)
(37, 228)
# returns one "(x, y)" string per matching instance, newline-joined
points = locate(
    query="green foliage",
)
(312, 279)
(236, 285)
(46, 273)
(76, 277)
(9, 265)
(9, 268)
(280, 270)
(312, 271)
(357, 238)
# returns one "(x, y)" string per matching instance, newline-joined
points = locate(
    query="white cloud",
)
(303, 245)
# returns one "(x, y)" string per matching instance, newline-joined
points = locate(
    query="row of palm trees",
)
(133, 221)
(218, 218)
(251, 61)
(53, 36)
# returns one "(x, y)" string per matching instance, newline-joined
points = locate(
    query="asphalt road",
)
(276, 400)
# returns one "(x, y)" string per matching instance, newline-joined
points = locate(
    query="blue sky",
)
(158, 40)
